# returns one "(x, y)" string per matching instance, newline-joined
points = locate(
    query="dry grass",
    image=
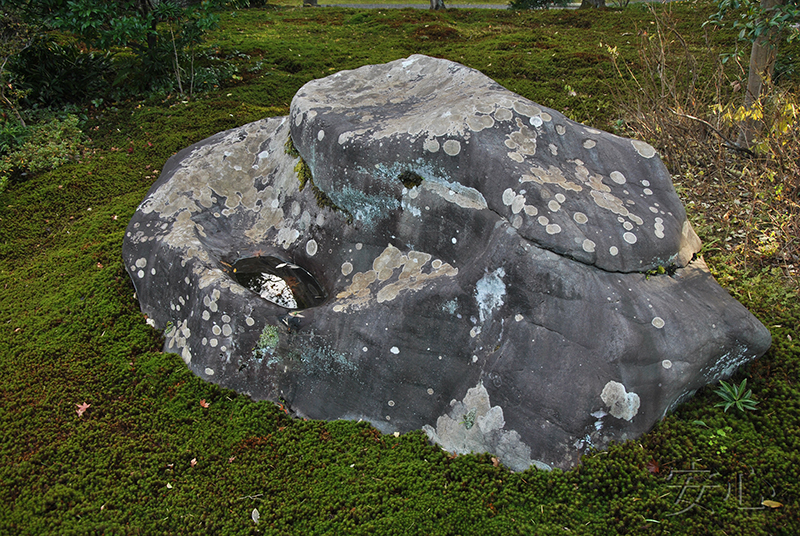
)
(688, 103)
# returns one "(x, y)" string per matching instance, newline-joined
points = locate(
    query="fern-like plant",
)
(733, 395)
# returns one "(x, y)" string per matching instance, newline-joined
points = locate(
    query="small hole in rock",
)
(410, 179)
(280, 282)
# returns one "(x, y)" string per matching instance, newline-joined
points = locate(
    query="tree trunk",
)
(437, 5)
(762, 65)
(593, 4)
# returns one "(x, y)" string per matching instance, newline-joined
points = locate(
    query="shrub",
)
(55, 75)
(43, 147)
(521, 5)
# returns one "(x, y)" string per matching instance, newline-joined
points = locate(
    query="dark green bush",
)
(521, 5)
(57, 75)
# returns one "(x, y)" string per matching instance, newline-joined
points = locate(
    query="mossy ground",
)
(147, 457)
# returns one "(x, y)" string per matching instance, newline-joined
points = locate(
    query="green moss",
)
(304, 177)
(71, 332)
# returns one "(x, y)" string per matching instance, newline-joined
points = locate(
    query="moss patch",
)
(147, 457)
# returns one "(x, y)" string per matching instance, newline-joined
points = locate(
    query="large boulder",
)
(446, 255)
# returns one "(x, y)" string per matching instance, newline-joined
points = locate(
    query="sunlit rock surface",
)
(478, 267)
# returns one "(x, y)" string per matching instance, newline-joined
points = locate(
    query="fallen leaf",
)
(82, 408)
(193, 462)
(255, 515)
(495, 461)
(771, 504)
(169, 486)
(204, 403)
(230, 460)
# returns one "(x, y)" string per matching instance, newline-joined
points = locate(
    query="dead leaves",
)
(204, 404)
(82, 408)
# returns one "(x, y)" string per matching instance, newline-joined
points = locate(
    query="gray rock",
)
(465, 260)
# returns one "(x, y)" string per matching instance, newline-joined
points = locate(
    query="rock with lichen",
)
(456, 258)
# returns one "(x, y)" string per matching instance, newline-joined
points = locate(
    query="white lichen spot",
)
(561, 130)
(580, 217)
(140, 274)
(431, 145)
(518, 204)
(338, 308)
(474, 359)
(630, 238)
(430, 391)
(536, 121)
(206, 315)
(618, 177)
(588, 246)
(454, 240)
(452, 147)
(553, 149)
(613, 251)
(474, 332)
(249, 320)
(503, 114)
(644, 149)
(658, 228)
(531, 210)
(589, 144)
(347, 268)
(311, 247)
(622, 405)
(213, 343)
(508, 196)
(359, 246)
(553, 228)
(518, 317)
(227, 330)
(516, 157)
(516, 221)
(543, 220)
(395, 350)
(209, 371)
(152, 271)
(391, 403)
(141, 263)
(627, 225)
(554, 205)
(667, 364)
(436, 264)
(657, 322)
(489, 293)
(561, 197)
(320, 135)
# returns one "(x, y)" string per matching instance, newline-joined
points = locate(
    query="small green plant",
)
(733, 395)
(719, 438)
